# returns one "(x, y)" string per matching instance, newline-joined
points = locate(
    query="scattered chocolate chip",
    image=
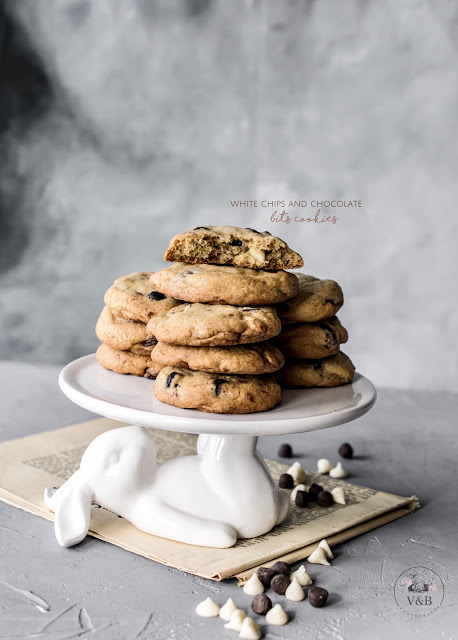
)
(265, 575)
(261, 604)
(314, 490)
(302, 499)
(253, 230)
(280, 583)
(155, 295)
(218, 382)
(206, 228)
(346, 450)
(281, 567)
(236, 242)
(150, 342)
(317, 596)
(286, 481)
(316, 364)
(170, 377)
(324, 499)
(285, 450)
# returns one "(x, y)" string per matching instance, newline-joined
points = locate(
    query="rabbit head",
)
(115, 468)
(120, 462)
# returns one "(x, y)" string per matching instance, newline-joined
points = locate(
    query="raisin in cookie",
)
(250, 359)
(225, 285)
(126, 362)
(133, 298)
(312, 340)
(214, 325)
(239, 247)
(123, 334)
(317, 299)
(327, 372)
(216, 393)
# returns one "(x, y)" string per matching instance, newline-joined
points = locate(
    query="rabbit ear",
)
(72, 504)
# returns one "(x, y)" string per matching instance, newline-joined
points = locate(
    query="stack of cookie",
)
(311, 336)
(130, 304)
(213, 350)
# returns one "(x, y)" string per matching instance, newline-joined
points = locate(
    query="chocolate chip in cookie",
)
(155, 295)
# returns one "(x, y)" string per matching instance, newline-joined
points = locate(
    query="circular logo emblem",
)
(419, 591)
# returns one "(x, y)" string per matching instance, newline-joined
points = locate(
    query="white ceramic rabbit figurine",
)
(208, 499)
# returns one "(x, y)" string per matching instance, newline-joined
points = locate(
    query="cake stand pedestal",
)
(222, 493)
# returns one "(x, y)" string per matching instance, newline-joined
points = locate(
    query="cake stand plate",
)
(224, 492)
(131, 399)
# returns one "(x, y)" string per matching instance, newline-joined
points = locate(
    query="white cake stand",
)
(225, 491)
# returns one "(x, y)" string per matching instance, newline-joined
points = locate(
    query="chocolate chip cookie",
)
(225, 285)
(312, 340)
(132, 297)
(123, 334)
(216, 393)
(250, 359)
(235, 246)
(214, 325)
(327, 372)
(126, 362)
(317, 299)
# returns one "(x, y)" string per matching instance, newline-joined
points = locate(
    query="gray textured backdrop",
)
(125, 122)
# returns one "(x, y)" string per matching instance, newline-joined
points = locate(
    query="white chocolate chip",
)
(295, 592)
(338, 495)
(277, 616)
(323, 465)
(227, 610)
(338, 471)
(302, 576)
(208, 609)
(298, 473)
(300, 487)
(250, 630)
(254, 586)
(235, 623)
(258, 255)
(318, 557)
(326, 548)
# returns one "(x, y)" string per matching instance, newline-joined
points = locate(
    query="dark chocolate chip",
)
(269, 234)
(261, 604)
(324, 499)
(280, 583)
(218, 382)
(286, 481)
(285, 450)
(302, 499)
(155, 295)
(150, 342)
(206, 228)
(317, 596)
(236, 243)
(265, 575)
(170, 377)
(314, 490)
(316, 364)
(346, 450)
(253, 230)
(281, 567)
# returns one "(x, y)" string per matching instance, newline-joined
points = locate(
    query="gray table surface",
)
(406, 445)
